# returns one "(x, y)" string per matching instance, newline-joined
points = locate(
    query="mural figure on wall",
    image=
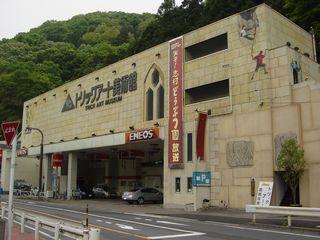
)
(296, 69)
(248, 24)
(260, 64)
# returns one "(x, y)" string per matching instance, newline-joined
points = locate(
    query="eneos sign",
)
(142, 135)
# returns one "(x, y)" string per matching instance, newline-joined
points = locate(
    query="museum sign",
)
(102, 94)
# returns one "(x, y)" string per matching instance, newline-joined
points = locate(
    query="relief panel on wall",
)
(240, 153)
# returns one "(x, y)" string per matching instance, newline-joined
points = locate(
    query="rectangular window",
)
(206, 47)
(178, 184)
(207, 92)
(189, 147)
(189, 185)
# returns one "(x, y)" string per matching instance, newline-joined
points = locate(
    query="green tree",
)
(292, 164)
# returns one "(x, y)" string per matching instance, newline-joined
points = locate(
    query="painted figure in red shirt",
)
(259, 58)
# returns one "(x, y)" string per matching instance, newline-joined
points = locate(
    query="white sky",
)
(22, 15)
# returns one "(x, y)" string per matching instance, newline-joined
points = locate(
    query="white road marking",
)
(144, 215)
(177, 235)
(138, 218)
(108, 222)
(127, 227)
(148, 219)
(172, 223)
(318, 226)
(98, 220)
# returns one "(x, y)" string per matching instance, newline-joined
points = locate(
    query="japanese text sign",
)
(264, 194)
(175, 103)
(102, 94)
(9, 130)
(201, 179)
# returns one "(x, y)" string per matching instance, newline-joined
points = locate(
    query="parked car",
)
(21, 186)
(141, 195)
(104, 191)
(85, 192)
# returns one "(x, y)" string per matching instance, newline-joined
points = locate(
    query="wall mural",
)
(279, 139)
(248, 24)
(240, 153)
(260, 63)
(296, 68)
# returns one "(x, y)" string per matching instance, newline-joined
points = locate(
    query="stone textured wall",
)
(260, 106)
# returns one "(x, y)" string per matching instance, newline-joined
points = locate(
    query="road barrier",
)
(51, 228)
(287, 211)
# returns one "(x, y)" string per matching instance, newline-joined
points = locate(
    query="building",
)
(135, 122)
(26, 168)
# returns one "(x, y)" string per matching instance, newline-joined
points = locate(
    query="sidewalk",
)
(17, 235)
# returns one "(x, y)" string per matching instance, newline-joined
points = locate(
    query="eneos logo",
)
(141, 135)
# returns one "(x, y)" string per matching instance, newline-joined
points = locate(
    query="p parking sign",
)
(201, 179)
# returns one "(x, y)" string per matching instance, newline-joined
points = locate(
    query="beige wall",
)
(259, 107)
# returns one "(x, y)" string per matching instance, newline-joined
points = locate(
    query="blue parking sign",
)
(201, 178)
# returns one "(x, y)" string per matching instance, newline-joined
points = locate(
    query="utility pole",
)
(41, 157)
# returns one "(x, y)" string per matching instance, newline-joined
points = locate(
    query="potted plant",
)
(292, 164)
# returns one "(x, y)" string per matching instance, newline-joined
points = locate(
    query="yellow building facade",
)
(253, 73)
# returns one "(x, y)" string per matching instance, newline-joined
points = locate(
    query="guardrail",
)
(287, 211)
(57, 229)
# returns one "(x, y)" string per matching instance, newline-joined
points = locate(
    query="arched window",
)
(149, 105)
(160, 107)
(154, 95)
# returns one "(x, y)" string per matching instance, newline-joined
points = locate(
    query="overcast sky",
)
(22, 15)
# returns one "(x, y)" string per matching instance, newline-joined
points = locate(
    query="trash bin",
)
(2, 228)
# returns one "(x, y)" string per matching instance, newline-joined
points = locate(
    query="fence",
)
(49, 227)
(287, 211)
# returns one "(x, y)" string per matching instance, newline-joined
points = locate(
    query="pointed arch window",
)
(154, 95)
(149, 105)
(160, 107)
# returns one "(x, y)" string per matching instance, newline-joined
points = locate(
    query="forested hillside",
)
(59, 51)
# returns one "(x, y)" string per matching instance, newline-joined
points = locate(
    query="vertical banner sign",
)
(9, 130)
(201, 132)
(175, 103)
(264, 194)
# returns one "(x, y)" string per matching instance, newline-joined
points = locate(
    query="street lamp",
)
(41, 156)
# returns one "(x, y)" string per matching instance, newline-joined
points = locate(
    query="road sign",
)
(9, 130)
(201, 179)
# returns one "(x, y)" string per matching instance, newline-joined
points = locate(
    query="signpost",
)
(9, 130)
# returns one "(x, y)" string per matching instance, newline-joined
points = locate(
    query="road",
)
(123, 226)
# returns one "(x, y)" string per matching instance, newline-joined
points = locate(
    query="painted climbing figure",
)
(259, 58)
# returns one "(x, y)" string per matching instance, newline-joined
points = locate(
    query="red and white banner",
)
(201, 133)
(9, 130)
(175, 103)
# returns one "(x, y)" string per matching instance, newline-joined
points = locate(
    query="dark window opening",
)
(207, 92)
(160, 113)
(178, 187)
(149, 105)
(207, 47)
(189, 185)
(155, 77)
(189, 147)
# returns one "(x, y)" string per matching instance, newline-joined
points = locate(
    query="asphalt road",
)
(123, 226)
